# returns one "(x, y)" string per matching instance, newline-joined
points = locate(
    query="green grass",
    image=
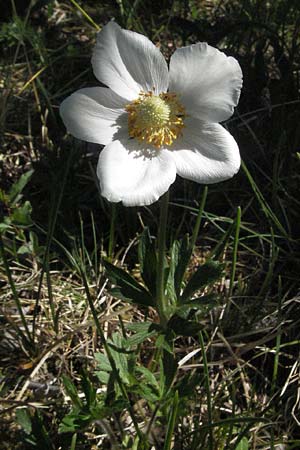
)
(82, 368)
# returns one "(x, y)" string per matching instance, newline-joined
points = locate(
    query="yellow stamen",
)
(156, 120)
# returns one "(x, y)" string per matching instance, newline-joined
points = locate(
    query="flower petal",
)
(209, 81)
(206, 153)
(94, 115)
(128, 62)
(133, 175)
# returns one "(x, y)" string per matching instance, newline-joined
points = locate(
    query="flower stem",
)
(111, 242)
(199, 217)
(161, 300)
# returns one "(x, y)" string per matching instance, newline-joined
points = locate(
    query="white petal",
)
(208, 81)
(94, 115)
(128, 62)
(134, 175)
(206, 153)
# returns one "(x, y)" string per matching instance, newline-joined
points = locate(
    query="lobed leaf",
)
(147, 260)
(18, 186)
(205, 275)
(127, 288)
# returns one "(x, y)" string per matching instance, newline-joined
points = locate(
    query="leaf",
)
(147, 392)
(18, 187)
(103, 362)
(183, 258)
(143, 333)
(120, 356)
(127, 287)
(72, 391)
(40, 433)
(23, 419)
(100, 410)
(182, 327)
(4, 226)
(102, 376)
(204, 276)
(243, 444)
(142, 326)
(138, 338)
(171, 288)
(148, 375)
(169, 369)
(88, 389)
(203, 304)
(74, 421)
(187, 385)
(21, 215)
(163, 343)
(147, 260)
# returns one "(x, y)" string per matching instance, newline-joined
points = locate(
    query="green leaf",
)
(127, 287)
(164, 344)
(187, 385)
(102, 376)
(4, 226)
(18, 186)
(143, 333)
(23, 418)
(182, 327)
(139, 327)
(148, 376)
(71, 391)
(21, 215)
(171, 288)
(88, 389)
(182, 254)
(147, 260)
(120, 356)
(78, 419)
(169, 368)
(202, 304)
(103, 362)
(3, 197)
(74, 421)
(40, 433)
(204, 276)
(243, 444)
(147, 392)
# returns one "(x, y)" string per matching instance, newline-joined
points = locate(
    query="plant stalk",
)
(161, 300)
(198, 220)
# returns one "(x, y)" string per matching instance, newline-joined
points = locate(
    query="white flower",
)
(154, 122)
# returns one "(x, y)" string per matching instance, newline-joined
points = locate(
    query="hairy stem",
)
(161, 300)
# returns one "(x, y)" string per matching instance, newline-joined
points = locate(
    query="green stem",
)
(208, 394)
(171, 422)
(111, 242)
(198, 220)
(161, 301)
(235, 249)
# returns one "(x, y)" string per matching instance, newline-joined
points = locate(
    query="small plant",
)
(143, 325)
